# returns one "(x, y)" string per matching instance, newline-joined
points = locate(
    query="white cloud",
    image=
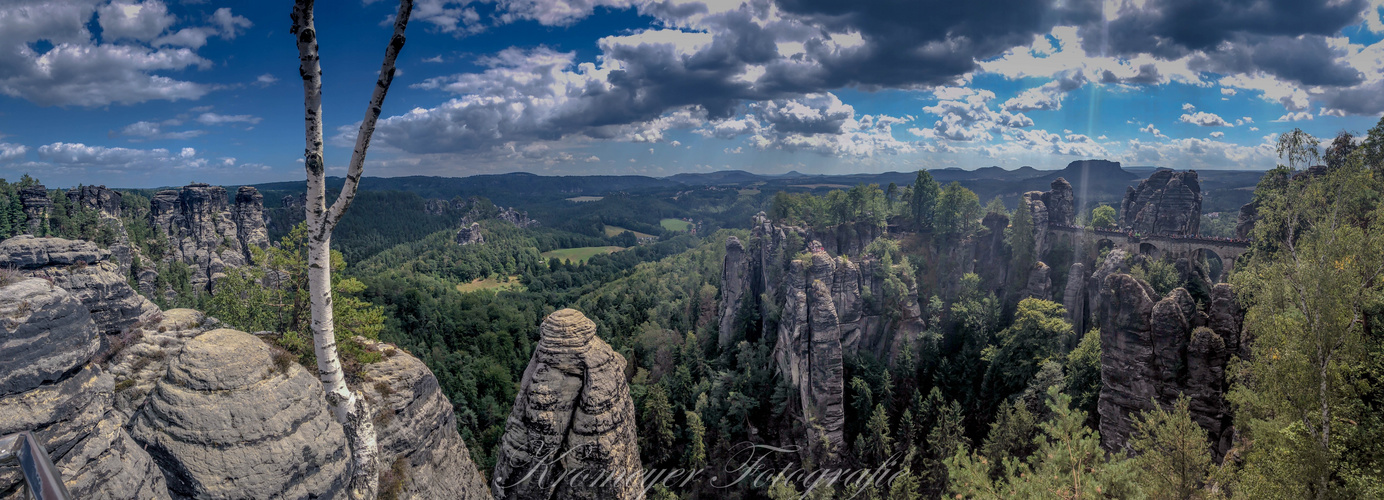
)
(1217, 134)
(219, 119)
(266, 80)
(1228, 92)
(66, 157)
(965, 115)
(145, 130)
(127, 20)
(125, 67)
(1294, 117)
(1187, 106)
(11, 152)
(1203, 119)
(1153, 130)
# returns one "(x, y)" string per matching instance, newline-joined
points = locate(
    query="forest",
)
(996, 395)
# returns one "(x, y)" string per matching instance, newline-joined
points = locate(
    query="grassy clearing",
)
(749, 192)
(491, 283)
(675, 225)
(583, 199)
(579, 255)
(616, 230)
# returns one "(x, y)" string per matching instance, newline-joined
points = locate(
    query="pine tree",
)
(656, 423)
(1173, 455)
(696, 441)
(924, 202)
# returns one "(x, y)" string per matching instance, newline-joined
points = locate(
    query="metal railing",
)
(44, 481)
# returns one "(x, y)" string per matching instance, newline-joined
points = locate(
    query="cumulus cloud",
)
(122, 66)
(965, 115)
(1203, 119)
(1153, 130)
(1295, 117)
(64, 157)
(11, 152)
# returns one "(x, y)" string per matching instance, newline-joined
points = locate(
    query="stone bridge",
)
(1226, 249)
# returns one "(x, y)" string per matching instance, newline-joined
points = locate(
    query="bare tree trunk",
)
(349, 408)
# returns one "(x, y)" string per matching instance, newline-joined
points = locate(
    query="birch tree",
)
(349, 408)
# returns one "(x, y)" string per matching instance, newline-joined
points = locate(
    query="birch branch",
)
(372, 114)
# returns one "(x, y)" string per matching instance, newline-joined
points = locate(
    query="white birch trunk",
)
(348, 407)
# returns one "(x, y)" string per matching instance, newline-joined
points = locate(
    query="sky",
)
(132, 93)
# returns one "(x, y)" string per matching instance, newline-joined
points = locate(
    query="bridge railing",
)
(44, 481)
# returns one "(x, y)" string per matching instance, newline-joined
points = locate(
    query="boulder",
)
(573, 415)
(34, 201)
(232, 419)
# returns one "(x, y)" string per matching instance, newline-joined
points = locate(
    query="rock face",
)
(97, 198)
(1074, 298)
(48, 386)
(1061, 203)
(1166, 203)
(734, 283)
(573, 414)
(36, 205)
(84, 270)
(808, 353)
(470, 235)
(206, 232)
(1154, 349)
(829, 307)
(1039, 282)
(417, 430)
(228, 421)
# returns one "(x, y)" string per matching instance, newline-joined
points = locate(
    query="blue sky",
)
(163, 92)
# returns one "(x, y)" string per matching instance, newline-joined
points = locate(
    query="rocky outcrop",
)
(573, 415)
(1166, 203)
(809, 353)
(1061, 203)
(47, 339)
(440, 207)
(470, 235)
(417, 431)
(34, 202)
(98, 198)
(734, 284)
(46, 333)
(1074, 298)
(1153, 350)
(232, 419)
(84, 270)
(206, 232)
(1039, 282)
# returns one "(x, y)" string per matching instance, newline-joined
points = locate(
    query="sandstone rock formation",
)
(84, 270)
(1074, 298)
(206, 232)
(1155, 349)
(1039, 282)
(36, 205)
(470, 235)
(48, 386)
(228, 420)
(808, 354)
(734, 284)
(417, 430)
(573, 415)
(1166, 203)
(98, 198)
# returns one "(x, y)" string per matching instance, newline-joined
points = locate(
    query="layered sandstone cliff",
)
(207, 231)
(573, 416)
(1154, 349)
(1166, 203)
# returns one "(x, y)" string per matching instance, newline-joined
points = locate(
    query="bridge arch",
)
(1148, 249)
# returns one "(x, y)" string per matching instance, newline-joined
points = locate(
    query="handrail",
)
(44, 481)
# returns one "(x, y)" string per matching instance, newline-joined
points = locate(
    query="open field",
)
(491, 283)
(579, 255)
(675, 224)
(583, 199)
(616, 230)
